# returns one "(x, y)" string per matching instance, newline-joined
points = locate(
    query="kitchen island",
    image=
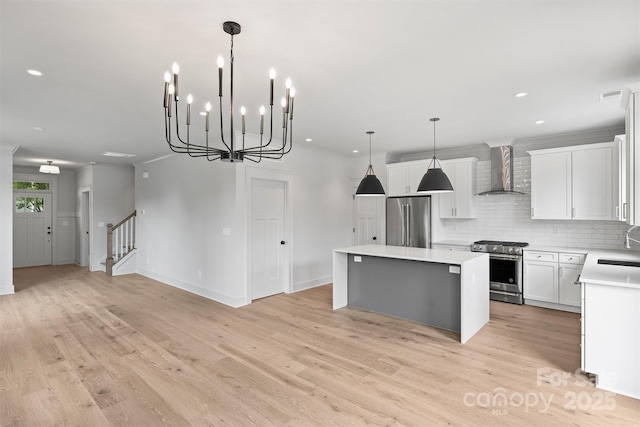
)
(440, 288)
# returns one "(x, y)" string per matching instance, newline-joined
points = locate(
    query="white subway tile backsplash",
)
(508, 217)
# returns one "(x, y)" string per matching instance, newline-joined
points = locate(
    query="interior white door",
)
(32, 233)
(369, 230)
(267, 238)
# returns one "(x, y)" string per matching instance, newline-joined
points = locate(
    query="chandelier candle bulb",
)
(261, 120)
(176, 69)
(189, 101)
(243, 111)
(287, 85)
(167, 80)
(272, 77)
(292, 94)
(220, 65)
(172, 90)
(283, 102)
(208, 108)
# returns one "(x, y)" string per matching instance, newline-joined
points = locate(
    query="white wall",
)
(113, 199)
(84, 179)
(6, 218)
(187, 202)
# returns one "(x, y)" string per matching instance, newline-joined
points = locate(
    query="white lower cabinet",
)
(611, 337)
(551, 279)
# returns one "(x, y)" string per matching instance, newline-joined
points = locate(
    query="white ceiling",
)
(386, 66)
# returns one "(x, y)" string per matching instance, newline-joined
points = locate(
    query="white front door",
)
(31, 229)
(267, 238)
(369, 229)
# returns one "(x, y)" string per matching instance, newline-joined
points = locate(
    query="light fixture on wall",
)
(231, 152)
(370, 184)
(49, 168)
(435, 180)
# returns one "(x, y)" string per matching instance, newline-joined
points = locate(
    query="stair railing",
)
(121, 239)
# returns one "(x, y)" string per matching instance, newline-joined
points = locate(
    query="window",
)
(30, 185)
(29, 204)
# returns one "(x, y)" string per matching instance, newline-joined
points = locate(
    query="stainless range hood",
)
(501, 171)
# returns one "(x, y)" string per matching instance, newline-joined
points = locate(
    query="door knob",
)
(375, 238)
(282, 242)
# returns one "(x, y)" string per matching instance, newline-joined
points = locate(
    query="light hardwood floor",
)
(78, 348)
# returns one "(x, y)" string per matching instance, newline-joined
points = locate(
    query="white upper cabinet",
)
(551, 185)
(404, 178)
(462, 174)
(592, 178)
(577, 182)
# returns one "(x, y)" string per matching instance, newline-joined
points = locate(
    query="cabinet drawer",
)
(541, 256)
(568, 258)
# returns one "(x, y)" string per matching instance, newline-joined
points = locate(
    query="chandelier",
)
(230, 150)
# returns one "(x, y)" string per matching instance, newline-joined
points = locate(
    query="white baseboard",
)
(65, 261)
(8, 290)
(312, 283)
(194, 289)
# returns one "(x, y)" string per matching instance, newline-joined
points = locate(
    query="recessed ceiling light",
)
(520, 94)
(308, 139)
(355, 151)
(113, 154)
(203, 113)
(38, 128)
(34, 72)
(539, 122)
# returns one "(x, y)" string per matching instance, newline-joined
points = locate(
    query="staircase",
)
(121, 246)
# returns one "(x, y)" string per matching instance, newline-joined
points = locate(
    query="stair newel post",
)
(109, 249)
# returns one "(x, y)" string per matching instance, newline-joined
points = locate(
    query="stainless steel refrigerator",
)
(409, 221)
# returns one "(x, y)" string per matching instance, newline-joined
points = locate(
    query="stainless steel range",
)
(505, 269)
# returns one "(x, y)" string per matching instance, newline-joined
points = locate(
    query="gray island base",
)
(445, 289)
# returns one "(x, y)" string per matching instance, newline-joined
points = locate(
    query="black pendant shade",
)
(435, 180)
(370, 184)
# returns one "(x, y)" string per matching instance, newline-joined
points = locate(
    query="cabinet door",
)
(397, 180)
(592, 178)
(463, 179)
(416, 172)
(551, 186)
(541, 281)
(447, 200)
(569, 292)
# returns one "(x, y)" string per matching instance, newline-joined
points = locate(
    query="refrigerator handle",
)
(402, 230)
(404, 225)
(408, 221)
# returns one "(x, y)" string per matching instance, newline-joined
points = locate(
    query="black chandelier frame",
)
(230, 153)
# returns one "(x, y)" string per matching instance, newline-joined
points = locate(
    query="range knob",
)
(494, 249)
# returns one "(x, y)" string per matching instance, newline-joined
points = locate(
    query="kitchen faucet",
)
(628, 239)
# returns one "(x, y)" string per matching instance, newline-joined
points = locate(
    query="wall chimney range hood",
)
(501, 168)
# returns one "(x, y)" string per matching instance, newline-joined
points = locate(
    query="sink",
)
(619, 262)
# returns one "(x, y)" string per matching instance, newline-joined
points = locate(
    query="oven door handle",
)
(505, 256)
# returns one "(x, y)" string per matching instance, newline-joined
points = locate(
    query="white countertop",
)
(453, 243)
(558, 249)
(612, 275)
(413, 254)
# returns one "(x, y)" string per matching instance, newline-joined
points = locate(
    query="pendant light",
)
(370, 184)
(435, 180)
